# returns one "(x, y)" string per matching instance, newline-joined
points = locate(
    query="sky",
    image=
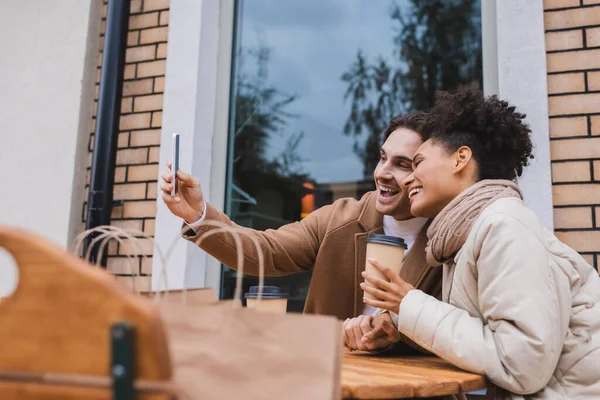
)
(312, 43)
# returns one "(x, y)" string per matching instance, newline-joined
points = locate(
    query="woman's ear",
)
(462, 158)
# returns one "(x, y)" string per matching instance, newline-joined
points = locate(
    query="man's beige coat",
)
(331, 242)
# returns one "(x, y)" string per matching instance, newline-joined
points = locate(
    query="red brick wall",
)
(139, 132)
(573, 62)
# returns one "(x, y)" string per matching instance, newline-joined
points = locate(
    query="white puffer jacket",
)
(518, 306)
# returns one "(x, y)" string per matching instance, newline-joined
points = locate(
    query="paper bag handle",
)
(261, 261)
(111, 232)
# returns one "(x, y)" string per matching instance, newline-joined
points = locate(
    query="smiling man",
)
(331, 240)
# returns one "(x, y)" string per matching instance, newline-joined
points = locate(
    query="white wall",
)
(47, 72)
(521, 72)
(195, 106)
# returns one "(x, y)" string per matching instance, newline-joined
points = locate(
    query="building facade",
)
(264, 97)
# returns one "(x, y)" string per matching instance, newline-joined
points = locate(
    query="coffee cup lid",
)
(386, 239)
(269, 292)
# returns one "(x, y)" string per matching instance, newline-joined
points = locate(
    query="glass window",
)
(314, 85)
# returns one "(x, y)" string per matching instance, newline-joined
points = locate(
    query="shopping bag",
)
(220, 350)
(224, 351)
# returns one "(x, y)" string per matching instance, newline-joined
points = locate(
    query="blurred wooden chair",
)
(72, 332)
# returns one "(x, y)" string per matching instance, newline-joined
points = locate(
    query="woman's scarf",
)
(450, 228)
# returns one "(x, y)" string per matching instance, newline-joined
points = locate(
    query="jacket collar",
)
(369, 219)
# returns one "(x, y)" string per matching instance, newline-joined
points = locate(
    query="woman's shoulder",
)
(505, 228)
(510, 214)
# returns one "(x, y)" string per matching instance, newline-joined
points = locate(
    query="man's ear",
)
(462, 157)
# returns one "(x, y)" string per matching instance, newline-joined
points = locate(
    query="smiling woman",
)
(472, 139)
(433, 187)
(518, 305)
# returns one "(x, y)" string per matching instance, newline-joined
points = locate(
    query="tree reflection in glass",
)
(315, 83)
(437, 46)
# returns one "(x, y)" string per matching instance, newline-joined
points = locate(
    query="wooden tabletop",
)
(365, 376)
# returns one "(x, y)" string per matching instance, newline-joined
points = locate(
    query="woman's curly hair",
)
(496, 133)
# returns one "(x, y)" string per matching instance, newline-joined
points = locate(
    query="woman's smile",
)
(414, 192)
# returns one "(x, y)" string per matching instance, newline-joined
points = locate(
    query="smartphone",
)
(175, 163)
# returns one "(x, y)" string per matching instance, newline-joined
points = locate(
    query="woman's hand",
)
(389, 294)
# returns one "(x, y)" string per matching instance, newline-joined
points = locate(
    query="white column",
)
(522, 81)
(489, 39)
(196, 107)
(48, 68)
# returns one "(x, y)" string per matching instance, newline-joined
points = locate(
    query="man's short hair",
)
(417, 121)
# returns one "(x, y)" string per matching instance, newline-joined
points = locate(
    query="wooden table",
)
(365, 376)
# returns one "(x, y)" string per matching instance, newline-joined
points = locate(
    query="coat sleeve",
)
(289, 249)
(524, 304)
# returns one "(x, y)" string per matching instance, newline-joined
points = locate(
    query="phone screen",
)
(175, 163)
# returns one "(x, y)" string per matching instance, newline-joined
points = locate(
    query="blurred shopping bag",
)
(220, 350)
(224, 351)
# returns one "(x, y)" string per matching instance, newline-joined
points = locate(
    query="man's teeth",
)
(414, 192)
(387, 190)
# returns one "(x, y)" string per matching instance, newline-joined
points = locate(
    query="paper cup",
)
(389, 251)
(272, 301)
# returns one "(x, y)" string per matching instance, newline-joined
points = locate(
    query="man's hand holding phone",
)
(188, 202)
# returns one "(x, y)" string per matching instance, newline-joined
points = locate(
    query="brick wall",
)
(139, 133)
(573, 62)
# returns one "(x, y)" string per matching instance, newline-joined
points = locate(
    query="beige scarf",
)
(450, 228)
